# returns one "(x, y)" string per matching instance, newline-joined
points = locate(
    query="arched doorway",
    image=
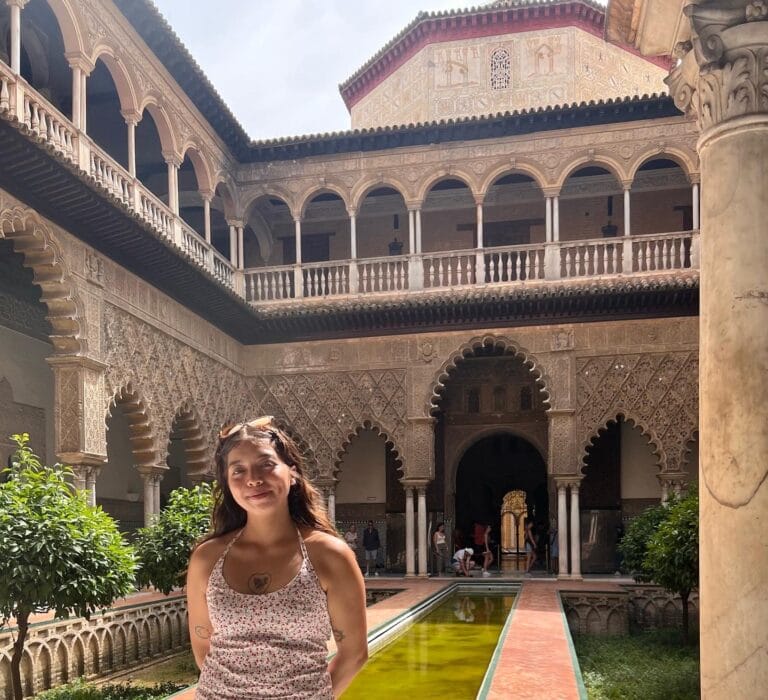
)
(492, 467)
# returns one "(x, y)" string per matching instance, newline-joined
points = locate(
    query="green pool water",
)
(445, 654)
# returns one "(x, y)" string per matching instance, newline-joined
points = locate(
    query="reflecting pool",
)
(445, 654)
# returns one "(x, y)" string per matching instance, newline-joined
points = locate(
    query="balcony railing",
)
(523, 264)
(30, 108)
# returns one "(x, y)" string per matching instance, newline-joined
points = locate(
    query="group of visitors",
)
(371, 545)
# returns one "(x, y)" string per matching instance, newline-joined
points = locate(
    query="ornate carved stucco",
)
(657, 391)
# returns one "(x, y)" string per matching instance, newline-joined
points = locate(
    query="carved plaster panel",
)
(658, 391)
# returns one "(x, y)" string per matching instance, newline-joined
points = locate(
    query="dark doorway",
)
(491, 468)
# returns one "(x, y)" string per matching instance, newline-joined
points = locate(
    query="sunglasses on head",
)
(229, 429)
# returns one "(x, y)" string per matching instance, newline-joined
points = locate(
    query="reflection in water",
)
(444, 655)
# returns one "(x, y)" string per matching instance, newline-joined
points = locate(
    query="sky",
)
(277, 64)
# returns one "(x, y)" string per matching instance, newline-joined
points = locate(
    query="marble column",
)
(411, 230)
(240, 247)
(575, 532)
(562, 531)
(548, 219)
(627, 211)
(16, 7)
(77, 109)
(332, 504)
(90, 484)
(173, 183)
(410, 559)
(721, 79)
(83, 103)
(131, 122)
(232, 245)
(480, 253)
(423, 548)
(555, 218)
(149, 498)
(418, 231)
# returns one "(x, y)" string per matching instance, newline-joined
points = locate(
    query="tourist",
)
(530, 547)
(350, 537)
(487, 552)
(371, 544)
(440, 547)
(273, 581)
(554, 547)
(462, 561)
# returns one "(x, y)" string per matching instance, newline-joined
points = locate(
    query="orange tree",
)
(57, 552)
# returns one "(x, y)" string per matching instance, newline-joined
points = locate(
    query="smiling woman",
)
(273, 581)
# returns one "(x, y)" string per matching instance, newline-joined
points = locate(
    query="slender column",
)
(240, 248)
(423, 549)
(352, 235)
(207, 217)
(411, 231)
(479, 252)
(297, 230)
(695, 206)
(232, 245)
(90, 484)
(627, 213)
(156, 479)
(149, 498)
(410, 563)
(332, 504)
(556, 218)
(77, 109)
(16, 6)
(548, 219)
(83, 104)
(562, 532)
(173, 184)
(418, 230)
(575, 532)
(479, 224)
(131, 124)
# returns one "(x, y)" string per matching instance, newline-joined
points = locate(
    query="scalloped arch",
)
(362, 189)
(140, 431)
(42, 255)
(441, 377)
(186, 422)
(367, 424)
(653, 439)
(685, 159)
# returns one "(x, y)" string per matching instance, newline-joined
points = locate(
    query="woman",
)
(440, 547)
(487, 552)
(350, 537)
(268, 587)
(530, 547)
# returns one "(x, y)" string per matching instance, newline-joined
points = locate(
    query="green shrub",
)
(164, 547)
(57, 552)
(634, 544)
(79, 690)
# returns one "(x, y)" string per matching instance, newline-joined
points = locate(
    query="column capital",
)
(414, 204)
(550, 192)
(132, 116)
(351, 211)
(207, 195)
(626, 185)
(77, 59)
(16, 3)
(78, 460)
(235, 222)
(479, 199)
(172, 159)
(570, 480)
(418, 484)
(695, 178)
(155, 472)
(721, 73)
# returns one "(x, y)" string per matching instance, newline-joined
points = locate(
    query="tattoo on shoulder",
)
(203, 632)
(258, 583)
(338, 635)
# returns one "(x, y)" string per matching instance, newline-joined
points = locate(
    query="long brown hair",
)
(305, 504)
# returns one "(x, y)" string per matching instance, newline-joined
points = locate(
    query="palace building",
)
(489, 284)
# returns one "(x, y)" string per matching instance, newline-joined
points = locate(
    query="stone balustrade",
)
(594, 258)
(20, 101)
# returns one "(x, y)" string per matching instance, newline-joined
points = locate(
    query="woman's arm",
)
(343, 582)
(200, 627)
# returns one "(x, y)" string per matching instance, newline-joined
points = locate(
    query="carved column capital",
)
(723, 69)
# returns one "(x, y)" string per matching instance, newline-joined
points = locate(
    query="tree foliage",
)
(164, 547)
(673, 551)
(57, 552)
(634, 544)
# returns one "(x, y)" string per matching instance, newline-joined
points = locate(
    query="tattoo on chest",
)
(258, 583)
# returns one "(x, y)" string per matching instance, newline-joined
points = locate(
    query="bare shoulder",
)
(207, 554)
(330, 555)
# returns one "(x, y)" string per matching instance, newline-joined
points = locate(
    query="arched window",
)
(473, 400)
(500, 74)
(526, 399)
(500, 399)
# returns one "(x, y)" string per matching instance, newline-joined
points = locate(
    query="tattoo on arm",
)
(203, 632)
(338, 635)
(258, 583)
